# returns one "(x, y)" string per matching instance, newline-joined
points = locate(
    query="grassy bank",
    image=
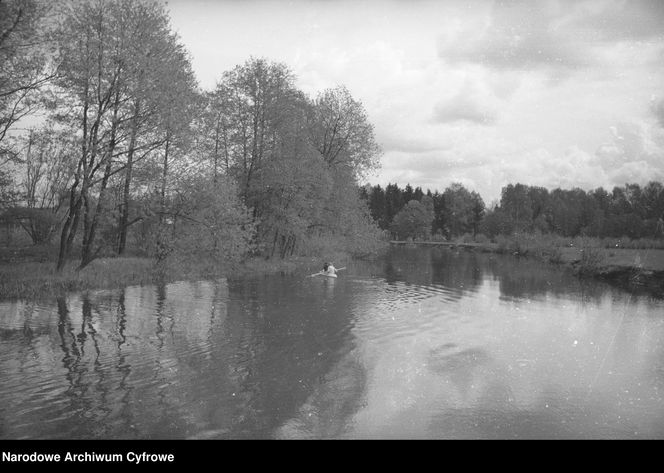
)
(30, 273)
(634, 264)
(32, 279)
(627, 262)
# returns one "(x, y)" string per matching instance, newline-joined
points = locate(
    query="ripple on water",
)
(445, 350)
(400, 310)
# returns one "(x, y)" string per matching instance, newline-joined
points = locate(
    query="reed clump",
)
(39, 279)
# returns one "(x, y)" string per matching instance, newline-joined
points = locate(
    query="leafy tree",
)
(439, 222)
(161, 97)
(101, 79)
(341, 132)
(496, 222)
(258, 99)
(653, 200)
(393, 201)
(210, 219)
(408, 194)
(515, 202)
(478, 210)
(24, 67)
(539, 199)
(378, 206)
(460, 209)
(413, 221)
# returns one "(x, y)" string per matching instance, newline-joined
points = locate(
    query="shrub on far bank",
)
(591, 260)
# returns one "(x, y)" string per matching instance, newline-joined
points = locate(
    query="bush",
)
(555, 255)
(591, 260)
(438, 236)
(482, 238)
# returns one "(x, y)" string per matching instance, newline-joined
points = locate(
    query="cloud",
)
(517, 35)
(470, 104)
(633, 154)
(657, 108)
(463, 107)
(408, 144)
(485, 162)
(556, 36)
(616, 20)
(462, 91)
(639, 172)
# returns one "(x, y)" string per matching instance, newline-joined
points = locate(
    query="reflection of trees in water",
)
(19, 339)
(305, 363)
(257, 357)
(71, 357)
(458, 271)
(108, 380)
(90, 384)
(526, 277)
(101, 408)
(122, 366)
(461, 270)
(333, 402)
(20, 353)
(165, 418)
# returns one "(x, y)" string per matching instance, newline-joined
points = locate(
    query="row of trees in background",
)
(132, 153)
(411, 213)
(631, 210)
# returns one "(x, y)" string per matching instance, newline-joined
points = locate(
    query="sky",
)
(552, 93)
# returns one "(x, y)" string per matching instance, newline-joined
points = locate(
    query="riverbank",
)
(634, 269)
(30, 272)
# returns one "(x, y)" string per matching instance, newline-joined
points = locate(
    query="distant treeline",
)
(632, 211)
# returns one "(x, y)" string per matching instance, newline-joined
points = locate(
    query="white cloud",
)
(470, 103)
(634, 153)
(657, 107)
(483, 93)
(556, 36)
(519, 35)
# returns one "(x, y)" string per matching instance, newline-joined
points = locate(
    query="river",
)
(423, 343)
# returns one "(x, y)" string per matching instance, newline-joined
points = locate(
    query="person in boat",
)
(329, 269)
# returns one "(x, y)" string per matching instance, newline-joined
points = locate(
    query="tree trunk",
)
(124, 211)
(162, 251)
(92, 219)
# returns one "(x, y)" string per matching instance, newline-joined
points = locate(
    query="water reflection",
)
(422, 344)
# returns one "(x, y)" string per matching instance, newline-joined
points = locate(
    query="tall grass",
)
(542, 246)
(591, 262)
(36, 279)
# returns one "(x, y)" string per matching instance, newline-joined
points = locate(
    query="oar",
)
(319, 273)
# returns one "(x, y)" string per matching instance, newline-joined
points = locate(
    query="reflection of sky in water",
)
(486, 366)
(427, 344)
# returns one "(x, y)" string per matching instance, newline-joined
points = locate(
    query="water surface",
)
(425, 343)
